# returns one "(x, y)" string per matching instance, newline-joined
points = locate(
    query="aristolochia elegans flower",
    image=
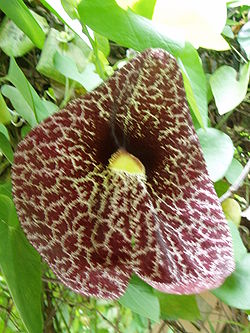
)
(116, 184)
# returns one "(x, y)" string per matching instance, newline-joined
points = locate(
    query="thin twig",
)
(236, 185)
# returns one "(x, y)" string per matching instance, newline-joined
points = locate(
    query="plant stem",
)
(95, 49)
(236, 185)
(223, 119)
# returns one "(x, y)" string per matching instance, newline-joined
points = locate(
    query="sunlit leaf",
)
(56, 7)
(142, 7)
(134, 31)
(200, 22)
(232, 210)
(228, 88)
(13, 40)
(19, 13)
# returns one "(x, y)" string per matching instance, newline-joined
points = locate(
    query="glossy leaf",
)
(21, 267)
(20, 104)
(144, 8)
(19, 13)
(234, 171)
(87, 78)
(140, 298)
(175, 307)
(134, 31)
(229, 90)
(5, 116)
(218, 151)
(5, 148)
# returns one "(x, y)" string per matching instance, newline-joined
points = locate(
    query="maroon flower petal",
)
(94, 226)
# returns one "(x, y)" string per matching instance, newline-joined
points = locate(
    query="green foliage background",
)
(47, 59)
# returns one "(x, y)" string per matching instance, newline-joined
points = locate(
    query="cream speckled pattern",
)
(94, 226)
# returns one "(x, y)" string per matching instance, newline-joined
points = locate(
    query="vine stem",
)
(95, 49)
(236, 185)
(223, 119)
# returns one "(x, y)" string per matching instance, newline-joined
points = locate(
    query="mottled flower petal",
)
(95, 226)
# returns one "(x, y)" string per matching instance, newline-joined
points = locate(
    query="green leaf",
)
(20, 104)
(21, 267)
(239, 249)
(13, 40)
(5, 116)
(76, 49)
(56, 8)
(228, 90)
(5, 148)
(232, 211)
(140, 298)
(87, 78)
(244, 38)
(144, 8)
(221, 187)
(218, 151)
(235, 290)
(233, 171)
(102, 44)
(195, 82)
(17, 78)
(175, 307)
(4, 130)
(5, 188)
(19, 13)
(70, 7)
(125, 27)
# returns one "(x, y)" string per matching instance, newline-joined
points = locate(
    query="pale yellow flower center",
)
(122, 161)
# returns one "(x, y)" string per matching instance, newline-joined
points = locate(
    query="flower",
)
(116, 184)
